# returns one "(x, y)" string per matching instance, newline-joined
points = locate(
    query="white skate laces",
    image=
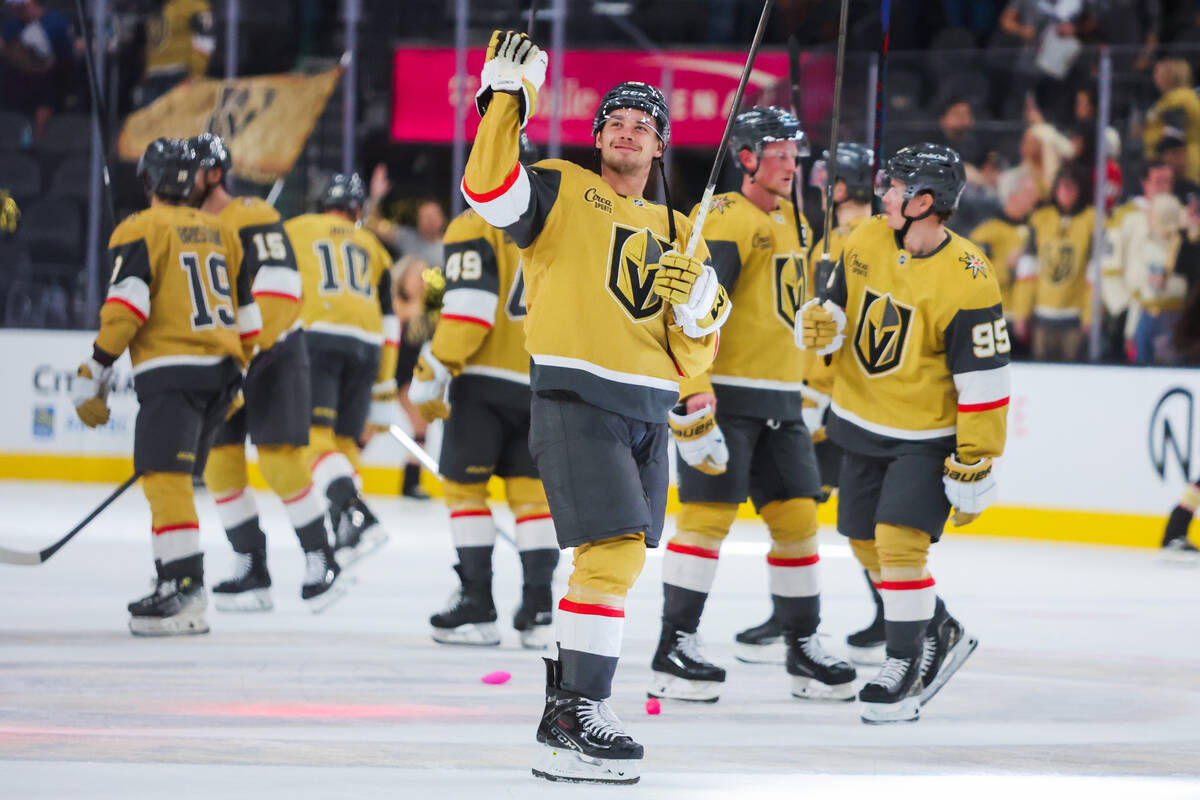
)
(891, 673)
(928, 652)
(315, 567)
(812, 648)
(242, 564)
(599, 720)
(689, 645)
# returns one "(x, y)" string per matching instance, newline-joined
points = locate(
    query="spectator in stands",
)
(179, 44)
(1158, 290)
(1054, 304)
(37, 56)
(1048, 31)
(1177, 113)
(10, 214)
(1043, 150)
(1127, 23)
(424, 240)
(956, 121)
(1172, 150)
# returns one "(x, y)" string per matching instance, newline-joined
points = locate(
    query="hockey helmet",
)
(168, 168)
(929, 168)
(345, 193)
(212, 153)
(642, 96)
(854, 167)
(762, 125)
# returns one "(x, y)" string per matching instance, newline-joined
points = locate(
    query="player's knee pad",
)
(225, 471)
(170, 498)
(465, 496)
(348, 447)
(526, 497)
(903, 552)
(704, 524)
(864, 551)
(792, 522)
(284, 468)
(605, 570)
(1191, 498)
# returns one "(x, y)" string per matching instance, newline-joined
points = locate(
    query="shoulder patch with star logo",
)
(974, 263)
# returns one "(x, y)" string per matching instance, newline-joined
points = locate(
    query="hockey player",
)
(920, 396)
(277, 403)
(615, 316)
(475, 375)
(352, 336)
(854, 184)
(181, 304)
(758, 445)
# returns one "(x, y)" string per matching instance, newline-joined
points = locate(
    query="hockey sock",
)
(286, 473)
(792, 564)
(173, 516)
(188, 567)
(471, 528)
(326, 462)
(690, 563)
(907, 588)
(534, 530)
(592, 614)
(225, 477)
(1178, 524)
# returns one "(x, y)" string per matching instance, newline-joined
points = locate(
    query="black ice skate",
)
(250, 587)
(582, 739)
(817, 675)
(534, 617)
(762, 644)
(470, 617)
(947, 646)
(358, 533)
(324, 583)
(174, 608)
(1181, 551)
(894, 695)
(868, 645)
(681, 672)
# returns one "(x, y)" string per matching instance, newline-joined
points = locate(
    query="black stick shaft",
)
(120, 490)
(98, 113)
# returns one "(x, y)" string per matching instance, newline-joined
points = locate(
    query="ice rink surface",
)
(1086, 681)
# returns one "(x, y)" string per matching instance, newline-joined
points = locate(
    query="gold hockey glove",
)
(698, 301)
(90, 392)
(513, 64)
(820, 327)
(701, 443)
(970, 488)
(430, 387)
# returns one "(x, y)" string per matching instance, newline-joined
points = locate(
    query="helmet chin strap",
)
(908, 221)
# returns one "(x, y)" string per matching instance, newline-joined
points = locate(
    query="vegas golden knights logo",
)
(1061, 262)
(632, 263)
(883, 326)
(791, 287)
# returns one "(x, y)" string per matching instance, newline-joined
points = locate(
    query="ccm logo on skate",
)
(1172, 432)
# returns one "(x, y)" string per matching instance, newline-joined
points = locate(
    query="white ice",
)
(1086, 681)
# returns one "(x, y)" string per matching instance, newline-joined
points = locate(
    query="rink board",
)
(1095, 454)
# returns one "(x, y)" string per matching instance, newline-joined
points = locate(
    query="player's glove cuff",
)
(970, 488)
(89, 392)
(820, 327)
(429, 390)
(701, 443)
(707, 307)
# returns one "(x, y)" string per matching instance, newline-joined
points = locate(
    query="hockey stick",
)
(33, 559)
(880, 86)
(410, 444)
(706, 200)
(794, 80)
(98, 112)
(824, 272)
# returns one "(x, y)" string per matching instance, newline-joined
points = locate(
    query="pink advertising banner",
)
(702, 84)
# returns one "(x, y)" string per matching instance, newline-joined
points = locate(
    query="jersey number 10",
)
(354, 266)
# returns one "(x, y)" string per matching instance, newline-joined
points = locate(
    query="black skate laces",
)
(812, 648)
(599, 720)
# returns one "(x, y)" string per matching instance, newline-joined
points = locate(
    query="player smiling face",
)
(628, 141)
(776, 167)
(893, 204)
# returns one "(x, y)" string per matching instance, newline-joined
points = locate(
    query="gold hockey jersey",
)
(594, 325)
(347, 289)
(269, 263)
(480, 336)
(178, 300)
(763, 265)
(925, 362)
(818, 374)
(1005, 242)
(1060, 290)
(180, 37)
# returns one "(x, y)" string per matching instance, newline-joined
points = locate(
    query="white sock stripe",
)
(237, 509)
(590, 633)
(472, 530)
(794, 581)
(688, 571)
(536, 534)
(909, 605)
(305, 507)
(176, 544)
(328, 468)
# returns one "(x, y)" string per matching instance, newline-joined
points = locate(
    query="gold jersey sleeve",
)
(1061, 290)
(762, 261)
(925, 361)
(269, 263)
(176, 277)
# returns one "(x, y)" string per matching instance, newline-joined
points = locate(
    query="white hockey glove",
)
(89, 392)
(385, 406)
(820, 327)
(970, 488)
(698, 301)
(513, 64)
(430, 387)
(701, 443)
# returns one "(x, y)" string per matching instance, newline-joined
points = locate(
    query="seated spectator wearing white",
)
(37, 55)
(179, 44)
(1156, 291)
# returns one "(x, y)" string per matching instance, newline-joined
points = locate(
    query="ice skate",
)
(250, 587)
(358, 533)
(174, 608)
(868, 646)
(582, 741)
(894, 695)
(1180, 551)
(681, 672)
(762, 644)
(324, 581)
(470, 617)
(947, 646)
(817, 675)
(533, 620)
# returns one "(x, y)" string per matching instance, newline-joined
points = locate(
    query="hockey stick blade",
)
(25, 559)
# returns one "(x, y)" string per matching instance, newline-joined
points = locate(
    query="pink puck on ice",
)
(496, 678)
(653, 706)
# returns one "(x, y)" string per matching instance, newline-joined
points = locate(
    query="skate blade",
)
(867, 656)
(907, 710)
(771, 653)
(569, 766)
(1180, 558)
(537, 638)
(245, 602)
(954, 660)
(369, 542)
(805, 688)
(189, 622)
(338, 590)
(475, 634)
(672, 687)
